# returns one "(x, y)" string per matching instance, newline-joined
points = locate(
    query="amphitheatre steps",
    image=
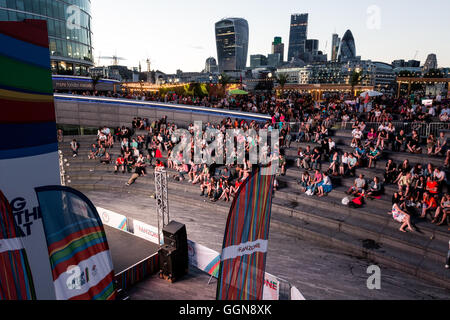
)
(397, 157)
(322, 219)
(321, 209)
(387, 254)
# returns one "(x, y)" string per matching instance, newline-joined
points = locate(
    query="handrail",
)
(179, 107)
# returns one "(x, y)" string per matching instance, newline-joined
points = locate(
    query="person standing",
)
(74, 145)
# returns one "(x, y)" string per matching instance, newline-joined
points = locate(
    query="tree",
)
(95, 81)
(282, 79)
(224, 80)
(355, 79)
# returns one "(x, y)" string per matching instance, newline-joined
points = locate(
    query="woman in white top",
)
(325, 186)
(344, 164)
(401, 216)
(357, 135)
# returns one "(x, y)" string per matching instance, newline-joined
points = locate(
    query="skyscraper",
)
(278, 47)
(70, 40)
(274, 60)
(297, 35)
(232, 44)
(258, 60)
(312, 46)
(430, 63)
(335, 43)
(347, 49)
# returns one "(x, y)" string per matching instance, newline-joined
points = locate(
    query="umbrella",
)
(371, 93)
(237, 92)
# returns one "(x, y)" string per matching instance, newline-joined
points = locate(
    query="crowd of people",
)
(219, 182)
(143, 145)
(421, 188)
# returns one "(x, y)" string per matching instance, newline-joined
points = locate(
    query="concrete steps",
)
(321, 219)
(315, 210)
(406, 261)
(291, 203)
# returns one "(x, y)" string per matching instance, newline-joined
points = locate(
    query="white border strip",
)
(11, 244)
(243, 249)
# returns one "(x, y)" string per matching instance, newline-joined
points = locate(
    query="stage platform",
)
(134, 259)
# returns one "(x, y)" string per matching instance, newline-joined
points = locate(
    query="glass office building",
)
(232, 44)
(347, 49)
(69, 28)
(278, 47)
(297, 36)
(335, 43)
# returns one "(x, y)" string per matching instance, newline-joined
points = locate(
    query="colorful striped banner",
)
(79, 253)
(126, 279)
(29, 153)
(243, 258)
(16, 281)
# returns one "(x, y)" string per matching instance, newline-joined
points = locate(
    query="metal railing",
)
(424, 129)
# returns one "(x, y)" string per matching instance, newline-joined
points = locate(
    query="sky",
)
(179, 34)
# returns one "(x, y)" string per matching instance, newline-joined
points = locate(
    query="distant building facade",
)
(335, 43)
(430, 63)
(211, 65)
(274, 60)
(232, 35)
(297, 35)
(312, 46)
(406, 64)
(377, 74)
(347, 48)
(70, 45)
(258, 60)
(278, 47)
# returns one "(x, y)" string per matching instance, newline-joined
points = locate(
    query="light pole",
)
(210, 88)
(270, 75)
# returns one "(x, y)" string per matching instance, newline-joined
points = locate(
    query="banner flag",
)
(79, 254)
(29, 153)
(243, 258)
(16, 282)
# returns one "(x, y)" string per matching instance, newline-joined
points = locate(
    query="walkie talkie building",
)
(232, 44)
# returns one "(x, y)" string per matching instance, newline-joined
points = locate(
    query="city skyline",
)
(184, 36)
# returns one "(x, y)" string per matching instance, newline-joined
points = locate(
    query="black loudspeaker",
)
(175, 235)
(173, 265)
(174, 259)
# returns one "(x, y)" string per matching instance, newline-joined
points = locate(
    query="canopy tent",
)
(371, 93)
(237, 92)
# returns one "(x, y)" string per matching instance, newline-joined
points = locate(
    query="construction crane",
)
(114, 59)
(148, 65)
(415, 56)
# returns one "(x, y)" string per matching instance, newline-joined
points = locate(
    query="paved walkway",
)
(318, 272)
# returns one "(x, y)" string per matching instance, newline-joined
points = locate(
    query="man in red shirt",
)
(432, 186)
(429, 204)
(120, 162)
